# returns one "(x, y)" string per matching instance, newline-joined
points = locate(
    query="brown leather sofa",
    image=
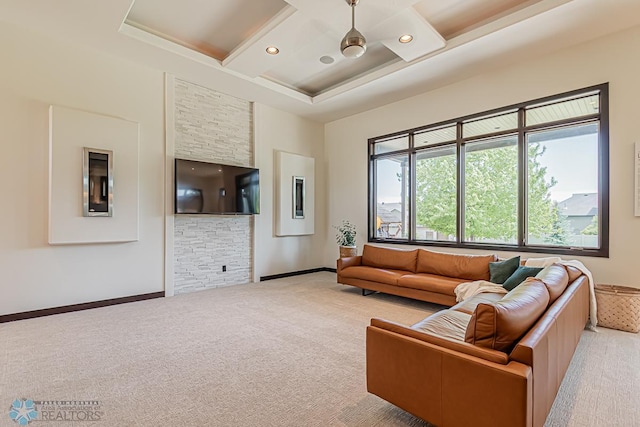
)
(418, 274)
(493, 360)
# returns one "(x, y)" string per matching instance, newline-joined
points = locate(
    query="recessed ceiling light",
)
(272, 50)
(326, 59)
(406, 38)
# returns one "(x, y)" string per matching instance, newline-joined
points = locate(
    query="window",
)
(530, 177)
(436, 194)
(491, 190)
(392, 209)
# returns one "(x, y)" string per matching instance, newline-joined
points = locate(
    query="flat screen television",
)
(214, 188)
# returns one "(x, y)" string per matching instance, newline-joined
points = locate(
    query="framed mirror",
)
(298, 197)
(97, 182)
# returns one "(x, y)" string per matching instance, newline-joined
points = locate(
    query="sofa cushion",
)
(394, 259)
(471, 267)
(444, 343)
(430, 282)
(446, 323)
(518, 276)
(556, 278)
(573, 272)
(469, 305)
(499, 325)
(502, 270)
(389, 277)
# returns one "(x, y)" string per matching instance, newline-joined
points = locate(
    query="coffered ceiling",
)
(222, 44)
(307, 34)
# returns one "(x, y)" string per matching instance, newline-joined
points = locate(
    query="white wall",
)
(277, 130)
(611, 59)
(37, 71)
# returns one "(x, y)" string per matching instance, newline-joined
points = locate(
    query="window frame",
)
(601, 117)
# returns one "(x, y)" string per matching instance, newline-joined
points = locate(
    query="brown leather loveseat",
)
(492, 360)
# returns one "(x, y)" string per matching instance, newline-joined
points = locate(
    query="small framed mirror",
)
(298, 197)
(97, 182)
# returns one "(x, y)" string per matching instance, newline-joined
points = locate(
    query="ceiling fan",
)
(353, 45)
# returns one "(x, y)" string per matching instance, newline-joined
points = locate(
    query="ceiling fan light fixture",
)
(353, 45)
(354, 51)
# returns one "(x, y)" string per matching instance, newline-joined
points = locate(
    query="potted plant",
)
(346, 238)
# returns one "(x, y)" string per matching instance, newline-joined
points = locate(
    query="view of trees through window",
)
(436, 194)
(528, 177)
(491, 191)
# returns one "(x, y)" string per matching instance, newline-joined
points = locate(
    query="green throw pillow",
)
(501, 270)
(519, 275)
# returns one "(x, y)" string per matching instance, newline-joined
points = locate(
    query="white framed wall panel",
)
(70, 131)
(287, 166)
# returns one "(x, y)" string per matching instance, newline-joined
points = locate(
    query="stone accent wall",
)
(211, 126)
(203, 244)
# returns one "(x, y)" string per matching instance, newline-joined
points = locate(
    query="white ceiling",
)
(221, 43)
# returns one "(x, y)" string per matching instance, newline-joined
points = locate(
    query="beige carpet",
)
(288, 352)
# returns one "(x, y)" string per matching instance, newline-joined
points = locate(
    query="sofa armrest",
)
(348, 262)
(459, 346)
(446, 387)
(550, 344)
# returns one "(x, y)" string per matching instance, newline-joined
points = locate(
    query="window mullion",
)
(522, 178)
(460, 183)
(603, 171)
(372, 183)
(411, 233)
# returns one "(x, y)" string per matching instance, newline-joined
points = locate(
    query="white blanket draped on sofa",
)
(469, 289)
(466, 290)
(593, 306)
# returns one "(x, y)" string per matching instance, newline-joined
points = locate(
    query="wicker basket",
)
(618, 307)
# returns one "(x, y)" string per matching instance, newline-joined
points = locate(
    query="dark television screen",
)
(213, 188)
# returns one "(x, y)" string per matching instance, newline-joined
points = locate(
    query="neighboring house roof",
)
(580, 204)
(389, 212)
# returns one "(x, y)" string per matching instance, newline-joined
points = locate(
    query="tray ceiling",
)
(307, 33)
